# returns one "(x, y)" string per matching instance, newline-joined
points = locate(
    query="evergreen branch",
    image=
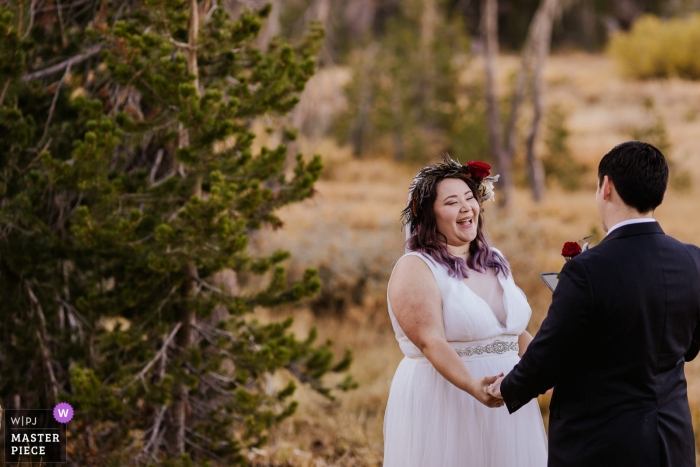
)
(304, 378)
(159, 355)
(91, 52)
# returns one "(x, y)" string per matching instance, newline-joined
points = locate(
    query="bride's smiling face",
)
(456, 211)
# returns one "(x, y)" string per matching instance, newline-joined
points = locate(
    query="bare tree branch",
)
(60, 23)
(46, 146)
(202, 327)
(156, 431)
(91, 52)
(31, 19)
(60, 6)
(156, 165)
(53, 102)
(4, 90)
(40, 333)
(160, 306)
(159, 355)
(205, 451)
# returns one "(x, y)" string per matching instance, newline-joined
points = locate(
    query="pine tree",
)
(129, 187)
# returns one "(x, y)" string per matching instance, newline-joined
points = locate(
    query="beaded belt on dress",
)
(483, 348)
(498, 346)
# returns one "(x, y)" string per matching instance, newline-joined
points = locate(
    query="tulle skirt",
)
(430, 423)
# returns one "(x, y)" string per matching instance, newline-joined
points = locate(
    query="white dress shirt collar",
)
(629, 222)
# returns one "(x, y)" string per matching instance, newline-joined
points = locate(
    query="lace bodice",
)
(466, 314)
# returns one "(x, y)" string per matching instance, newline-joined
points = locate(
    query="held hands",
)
(479, 389)
(495, 389)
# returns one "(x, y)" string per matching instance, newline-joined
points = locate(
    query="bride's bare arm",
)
(524, 340)
(417, 304)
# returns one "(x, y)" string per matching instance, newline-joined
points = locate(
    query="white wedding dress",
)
(431, 423)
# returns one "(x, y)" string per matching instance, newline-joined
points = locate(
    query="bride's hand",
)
(479, 389)
(495, 388)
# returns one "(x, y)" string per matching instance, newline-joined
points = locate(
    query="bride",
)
(460, 321)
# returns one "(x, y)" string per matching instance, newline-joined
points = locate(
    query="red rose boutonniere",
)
(571, 250)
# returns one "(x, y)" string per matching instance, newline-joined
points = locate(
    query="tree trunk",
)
(361, 126)
(321, 12)
(272, 26)
(489, 30)
(359, 15)
(541, 38)
(428, 24)
(397, 127)
(175, 433)
(587, 14)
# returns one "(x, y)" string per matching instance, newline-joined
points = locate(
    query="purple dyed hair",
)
(426, 239)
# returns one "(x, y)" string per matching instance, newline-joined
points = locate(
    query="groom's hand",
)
(495, 388)
(480, 391)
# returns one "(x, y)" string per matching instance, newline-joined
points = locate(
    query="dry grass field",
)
(350, 230)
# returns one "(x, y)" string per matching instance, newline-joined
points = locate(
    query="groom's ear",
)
(607, 188)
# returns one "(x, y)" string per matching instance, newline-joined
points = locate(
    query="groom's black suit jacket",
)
(623, 321)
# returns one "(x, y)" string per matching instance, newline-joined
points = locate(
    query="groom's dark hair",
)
(639, 172)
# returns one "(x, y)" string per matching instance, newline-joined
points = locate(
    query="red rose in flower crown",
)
(571, 250)
(478, 169)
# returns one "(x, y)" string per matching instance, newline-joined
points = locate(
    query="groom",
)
(623, 322)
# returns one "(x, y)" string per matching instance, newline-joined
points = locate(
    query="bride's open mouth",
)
(466, 222)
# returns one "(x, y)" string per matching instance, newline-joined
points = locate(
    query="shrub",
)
(656, 48)
(558, 161)
(655, 133)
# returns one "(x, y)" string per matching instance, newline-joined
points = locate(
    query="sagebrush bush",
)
(558, 161)
(659, 48)
(655, 133)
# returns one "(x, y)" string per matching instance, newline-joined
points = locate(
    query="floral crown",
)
(477, 171)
